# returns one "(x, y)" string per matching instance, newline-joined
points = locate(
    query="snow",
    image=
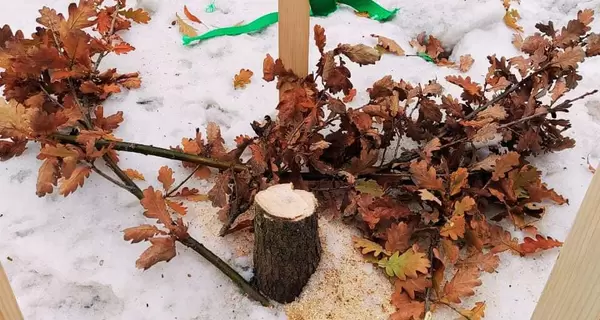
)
(67, 256)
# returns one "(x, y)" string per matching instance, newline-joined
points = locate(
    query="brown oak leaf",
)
(398, 237)
(165, 176)
(162, 249)
(425, 176)
(141, 233)
(410, 286)
(462, 285)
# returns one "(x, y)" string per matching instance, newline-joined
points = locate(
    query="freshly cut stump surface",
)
(287, 248)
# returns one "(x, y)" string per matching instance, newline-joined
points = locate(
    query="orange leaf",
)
(425, 177)
(134, 174)
(388, 45)
(218, 193)
(155, 206)
(501, 240)
(141, 233)
(407, 309)
(431, 146)
(162, 249)
(190, 16)
(488, 262)
(504, 164)
(138, 15)
(406, 264)
(465, 204)
(470, 87)
(320, 38)
(165, 176)
(462, 285)
(466, 62)
(530, 245)
(47, 177)
(368, 246)
(410, 286)
(454, 228)
(79, 17)
(398, 236)
(350, 96)
(458, 180)
(242, 79)
(177, 207)
(122, 48)
(476, 313)
(510, 19)
(76, 180)
(428, 196)
(268, 68)
(450, 250)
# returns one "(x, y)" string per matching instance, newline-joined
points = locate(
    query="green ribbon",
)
(318, 8)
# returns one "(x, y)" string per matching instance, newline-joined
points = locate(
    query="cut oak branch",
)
(287, 248)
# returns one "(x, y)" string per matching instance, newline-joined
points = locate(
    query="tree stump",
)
(287, 248)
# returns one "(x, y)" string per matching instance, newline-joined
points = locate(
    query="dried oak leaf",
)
(268, 68)
(165, 176)
(218, 193)
(454, 228)
(184, 28)
(487, 133)
(458, 180)
(504, 164)
(476, 313)
(405, 265)
(368, 246)
(530, 245)
(389, 45)
(350, 96)
(109, 123)
(138, 15)
(398, 237)
(487, 262)
(155, 206)
(47, 177)
(242, 79)
(559, 89)
(450, 250)
(410, 286)
(428, 196)
(501, 240)
(77, 178)
(190, 16)
(79, 16)
(134, 174)
(425, 177)
(510, 19)
(360, 53)
(431, 146)
(162, 249)
(320, 38)
(472, 88)
(462, 285)
(177, 207)
(466, 61)
(370, 187)
(141, 233)
(569, 58)
(408, 309)
(12, 148)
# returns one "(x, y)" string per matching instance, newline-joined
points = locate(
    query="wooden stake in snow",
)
(294, 30)
(287, 249)
(572, 290)
(9, 310)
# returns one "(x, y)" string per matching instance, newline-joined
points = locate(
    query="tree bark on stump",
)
(287, 248)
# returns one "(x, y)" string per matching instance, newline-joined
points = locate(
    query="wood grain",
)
(9, 309)
(573, 289)
(294, 30)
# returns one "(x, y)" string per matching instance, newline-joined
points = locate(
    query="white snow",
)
(69, 260)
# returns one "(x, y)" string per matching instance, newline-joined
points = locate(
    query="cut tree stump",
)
(287, 248)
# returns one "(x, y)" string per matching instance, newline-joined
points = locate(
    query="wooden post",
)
(573, 289)
(9, 309)
(287, 248)
(294, 26)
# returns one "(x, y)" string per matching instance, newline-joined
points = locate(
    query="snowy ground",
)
(67, 256)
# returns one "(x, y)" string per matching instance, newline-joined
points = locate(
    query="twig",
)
(434, 241)
(183, 182)
(155, 151)
(51, 97)
(110, 33)
(452, 307)
(109, 178)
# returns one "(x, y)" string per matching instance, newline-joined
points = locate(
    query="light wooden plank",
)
(573, 289)
(294, 30)
(9, 309)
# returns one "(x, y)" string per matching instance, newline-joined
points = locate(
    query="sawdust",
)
(344, 286)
